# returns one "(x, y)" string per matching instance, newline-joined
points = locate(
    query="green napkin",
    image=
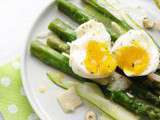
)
(13, 102)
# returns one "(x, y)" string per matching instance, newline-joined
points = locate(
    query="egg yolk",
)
(132, 59)
(98, 58)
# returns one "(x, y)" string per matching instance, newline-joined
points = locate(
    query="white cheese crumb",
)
(119, 82)
(69, 100)
(147, 23)
(90, 115)
(130, 95)
(42, 89)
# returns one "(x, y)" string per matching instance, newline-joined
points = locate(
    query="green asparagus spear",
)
(156, 92)
(105, 12)
(136, 105)
(52, 58)
(142, 92)
(57, 60)
(115, 32)
(72, 11)
(63, 30)
(56, 43)
(153, 80)
(157, 2)
(80, 16)
(58, 79)
(92, 93)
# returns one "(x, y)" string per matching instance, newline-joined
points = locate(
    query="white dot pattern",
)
(12, 108)
(5, 81)
(14, 94)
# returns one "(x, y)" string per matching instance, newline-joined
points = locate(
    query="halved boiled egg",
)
(90, 54)
(136, 53)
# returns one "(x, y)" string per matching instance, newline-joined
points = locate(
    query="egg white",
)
(94, 28)
(91, 30)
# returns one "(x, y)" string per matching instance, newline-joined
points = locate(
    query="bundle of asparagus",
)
(81, 16)
(53, 57)
(49, 56)
(57, 60)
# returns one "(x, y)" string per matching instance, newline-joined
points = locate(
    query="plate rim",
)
(30, 96)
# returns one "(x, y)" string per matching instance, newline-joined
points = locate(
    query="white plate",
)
(34, 72)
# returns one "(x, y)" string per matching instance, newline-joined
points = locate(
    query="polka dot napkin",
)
(13, 102)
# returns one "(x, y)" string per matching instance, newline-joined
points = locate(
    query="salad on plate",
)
(115, 62)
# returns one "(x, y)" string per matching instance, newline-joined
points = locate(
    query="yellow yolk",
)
(132, 59)
(98, 59)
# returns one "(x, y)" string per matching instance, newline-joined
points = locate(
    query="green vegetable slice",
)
(93, 94)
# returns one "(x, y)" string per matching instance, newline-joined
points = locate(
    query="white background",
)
(16, 19)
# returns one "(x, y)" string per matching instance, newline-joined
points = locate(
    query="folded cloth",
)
(13, 101)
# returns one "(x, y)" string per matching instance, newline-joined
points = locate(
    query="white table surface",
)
(16, 19)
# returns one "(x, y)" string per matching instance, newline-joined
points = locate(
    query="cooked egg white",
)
(90, 54)
(136, 53)
(94, 28)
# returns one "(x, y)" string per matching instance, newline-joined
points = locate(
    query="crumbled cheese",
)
(119, 82)
(147, 23)
(42, 89)
(69, 100)
(90, 115)
(130, 95)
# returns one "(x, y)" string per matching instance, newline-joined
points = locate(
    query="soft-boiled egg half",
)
(90, 54)
(136, 53)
